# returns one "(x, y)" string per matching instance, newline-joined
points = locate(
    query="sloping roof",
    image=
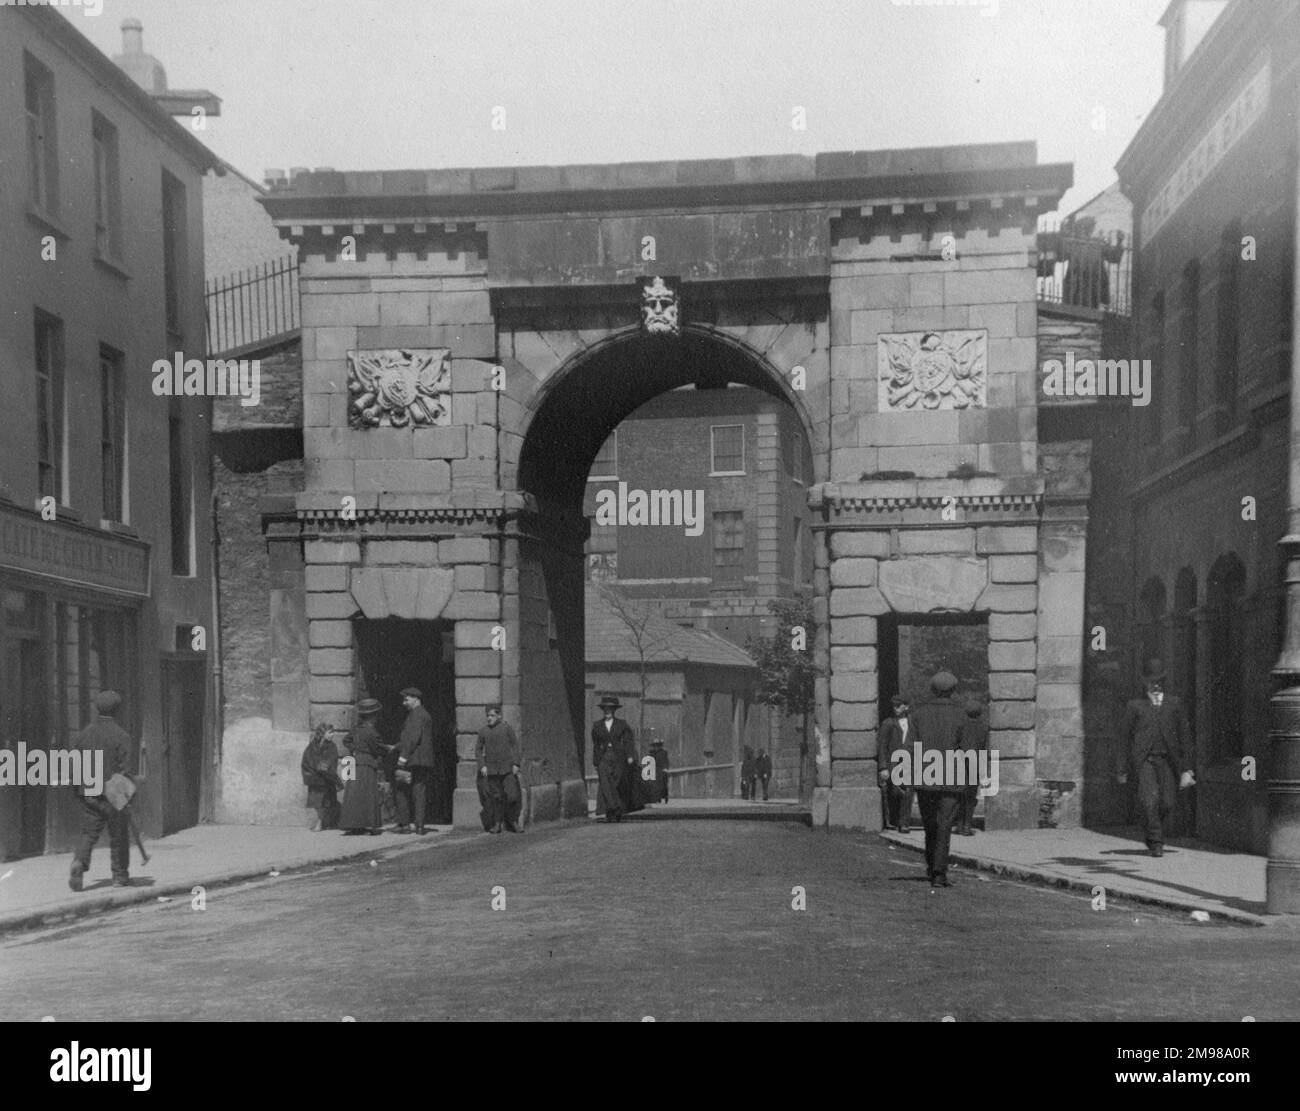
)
(609, 640)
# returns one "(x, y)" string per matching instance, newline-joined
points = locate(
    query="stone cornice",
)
(988, 494)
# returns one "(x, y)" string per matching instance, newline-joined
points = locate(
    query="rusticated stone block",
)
(330, 688)
(327, 576)
(1060, 659)
(330, 634)
(573, 798)
(471, 664)
(464, 549)
(472, 606)
(1003, 539)
(1009, 599)
(853, 808)
(1012, 685)
(853, 659)
(477, 692)
(853, 572)
(854, 630)
(1012, 744)
(1011, 715)
(853, 716)
(853, 601)
(854, 686)
(1012, 655)
(1061, 612)
(329, 661)
(446, 442)
(853, 773)
(937, 541)
(330, 606)
(543, 803)
(1013, 568)
(1013, 626)
(852, 746)
(869, 544)
(927, 584)
(478, 634)
(332, 551)
(1012, 807)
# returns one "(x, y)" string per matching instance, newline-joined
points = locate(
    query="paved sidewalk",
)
(1190, 876)
(34, 891)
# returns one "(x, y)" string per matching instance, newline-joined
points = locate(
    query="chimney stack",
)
(132, 36)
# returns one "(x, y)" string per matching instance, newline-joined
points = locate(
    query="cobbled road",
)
(674, 920)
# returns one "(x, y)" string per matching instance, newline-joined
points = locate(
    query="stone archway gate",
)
(889, 296)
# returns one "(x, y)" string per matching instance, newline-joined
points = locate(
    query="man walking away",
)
(896, 734)
(974, 738)
(763, 767)
(415, 756)
(938, 725)
(105, 735)
(498, 755)
(1155, 732)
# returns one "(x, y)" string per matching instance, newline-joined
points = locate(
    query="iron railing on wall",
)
(1086, 271)
(253, 307)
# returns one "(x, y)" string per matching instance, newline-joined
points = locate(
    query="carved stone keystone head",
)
(660, 308)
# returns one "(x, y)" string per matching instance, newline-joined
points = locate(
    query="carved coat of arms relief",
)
(932, 370)
(396, 387)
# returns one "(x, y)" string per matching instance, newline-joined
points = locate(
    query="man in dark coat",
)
(361, 811)
(613, 752)
(498, 754)
(662, 765)
(974, 738)
(1155, 733)
(748, 773)
(938, 725)
(763, 769)
(895, 735)
(415, 755)
(106, 736)
(320, 773)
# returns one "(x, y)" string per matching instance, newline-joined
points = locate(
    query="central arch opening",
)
(671, 476)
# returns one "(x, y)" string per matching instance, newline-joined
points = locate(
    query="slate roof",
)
(610, 641)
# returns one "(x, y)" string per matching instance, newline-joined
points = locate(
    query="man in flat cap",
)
(105, 735)
(415, 756)
(938, 723)
(895, 735)
(1155, 734)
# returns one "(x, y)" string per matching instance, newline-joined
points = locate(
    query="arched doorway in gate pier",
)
(700, 520)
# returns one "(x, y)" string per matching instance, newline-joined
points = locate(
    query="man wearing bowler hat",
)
(938, 723)
(416, 757)
(97, 812)
(1155, 733)
(895, 735)
(613, 752)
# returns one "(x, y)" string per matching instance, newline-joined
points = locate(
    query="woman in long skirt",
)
(361, 812)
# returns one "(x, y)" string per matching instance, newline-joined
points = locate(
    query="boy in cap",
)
(498, 755)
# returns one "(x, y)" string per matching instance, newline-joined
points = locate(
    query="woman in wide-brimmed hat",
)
(613, 752)
(361, 812)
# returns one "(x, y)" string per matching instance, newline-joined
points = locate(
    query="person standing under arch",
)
(613, 752)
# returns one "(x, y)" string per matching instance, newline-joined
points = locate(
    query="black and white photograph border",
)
(851, 447)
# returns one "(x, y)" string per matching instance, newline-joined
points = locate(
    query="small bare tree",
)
(636, 616)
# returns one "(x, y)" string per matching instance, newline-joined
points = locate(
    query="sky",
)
(399, 84)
